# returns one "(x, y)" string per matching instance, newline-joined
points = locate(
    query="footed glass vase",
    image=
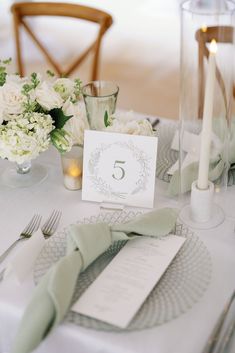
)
(24, 175)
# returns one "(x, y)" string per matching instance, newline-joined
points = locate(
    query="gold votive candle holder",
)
(72, 168)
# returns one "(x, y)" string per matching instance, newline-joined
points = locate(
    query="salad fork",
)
(48, 228)
(31, 227)
(51, 224)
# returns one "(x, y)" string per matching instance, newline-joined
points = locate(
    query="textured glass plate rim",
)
(142, 323)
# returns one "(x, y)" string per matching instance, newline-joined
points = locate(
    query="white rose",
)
(78, 123)
(47, 97)
(124, 117)
(131, 127)
(64, 87)
(17, 79)
(145, 128)
(11, 98)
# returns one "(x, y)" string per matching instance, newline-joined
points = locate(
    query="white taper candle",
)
(204, 160)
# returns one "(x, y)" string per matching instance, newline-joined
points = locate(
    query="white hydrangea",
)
(78, 123)
(25, 136)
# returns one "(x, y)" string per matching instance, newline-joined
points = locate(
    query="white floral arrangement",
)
(35, 113)
(126, 123)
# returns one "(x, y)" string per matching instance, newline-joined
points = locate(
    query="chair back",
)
(222, 34)
(31, 9)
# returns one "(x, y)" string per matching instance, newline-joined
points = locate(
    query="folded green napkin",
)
(223, 162)
(52, 297)
(190, 174)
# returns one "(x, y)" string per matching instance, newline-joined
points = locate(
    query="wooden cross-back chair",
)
(222, 34)
(31, 9)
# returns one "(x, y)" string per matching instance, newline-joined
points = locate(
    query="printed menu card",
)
(119, 291)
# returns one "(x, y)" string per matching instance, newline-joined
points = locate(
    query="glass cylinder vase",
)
(206, 93)
(100, 98)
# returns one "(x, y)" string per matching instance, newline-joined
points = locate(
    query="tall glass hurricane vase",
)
(207, 48)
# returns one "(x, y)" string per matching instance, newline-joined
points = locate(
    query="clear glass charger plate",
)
(183, 283)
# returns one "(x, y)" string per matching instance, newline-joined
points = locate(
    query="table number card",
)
(119, 168)
(119, 291)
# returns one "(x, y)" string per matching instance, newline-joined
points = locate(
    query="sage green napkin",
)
(217, 164)
(52, 297)
(190, 174)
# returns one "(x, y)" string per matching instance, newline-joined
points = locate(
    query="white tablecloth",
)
(185, 334)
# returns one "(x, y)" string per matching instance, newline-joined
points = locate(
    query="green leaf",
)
(3, 76)
(50, 73)
(3, 73)
(7, 61)
(106, 119)
(59, 118)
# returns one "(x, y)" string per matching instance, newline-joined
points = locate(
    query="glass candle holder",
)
(207, 54)
(207, 48)
(72, 163)
(99, 97)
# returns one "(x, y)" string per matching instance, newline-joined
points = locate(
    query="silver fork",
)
(48, 228)
(51, 224)
(31, 227)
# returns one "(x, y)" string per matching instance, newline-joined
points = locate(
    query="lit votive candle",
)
(72, 168)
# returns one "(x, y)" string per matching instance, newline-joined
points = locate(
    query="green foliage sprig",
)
(3, 70)
(107, 120)
(50, 73)
(78, 86)
(31, 106)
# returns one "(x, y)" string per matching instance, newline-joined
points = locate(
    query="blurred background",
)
(140, 52)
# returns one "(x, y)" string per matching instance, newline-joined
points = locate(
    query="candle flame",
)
(204, 28)
(213, 46)
(74, 171)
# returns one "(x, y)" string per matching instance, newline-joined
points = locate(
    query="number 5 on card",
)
(119, 168)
